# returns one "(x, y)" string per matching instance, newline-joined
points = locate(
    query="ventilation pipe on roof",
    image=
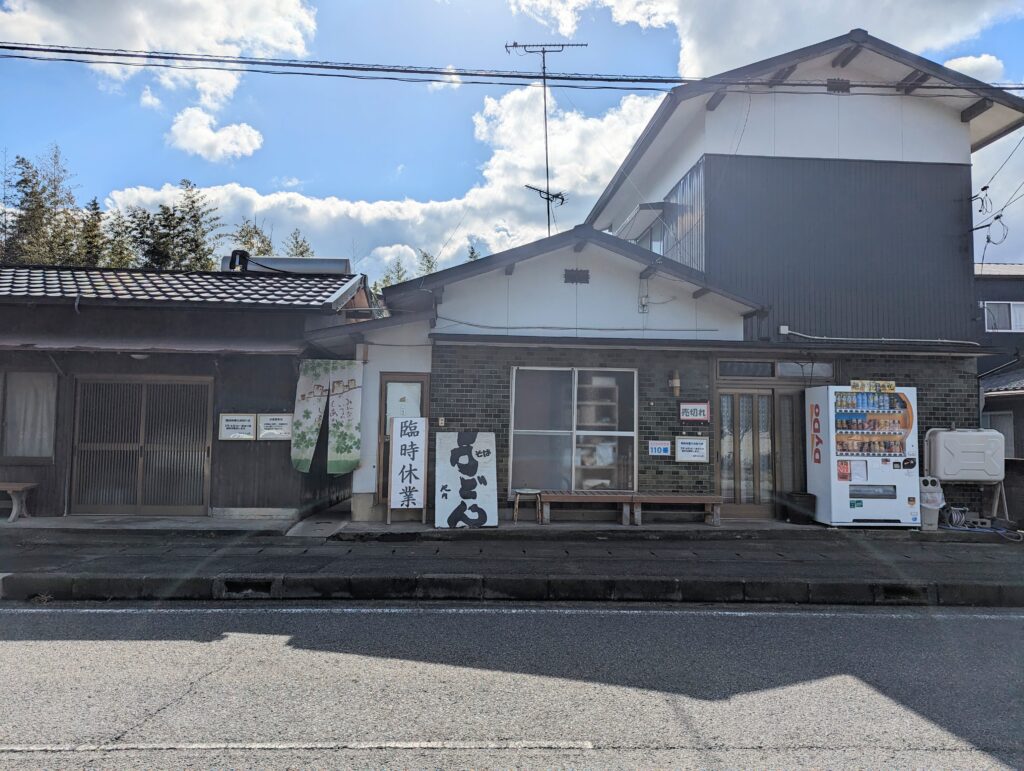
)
(239, 260)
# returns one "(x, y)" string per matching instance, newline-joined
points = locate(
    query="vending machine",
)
(862, 459)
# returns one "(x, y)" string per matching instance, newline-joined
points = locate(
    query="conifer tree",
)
(120, 245)
(250, 236)
(297, 246)
(92, 241)
(426, 264)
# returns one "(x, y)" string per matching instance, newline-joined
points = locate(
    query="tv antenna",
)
(544, 49)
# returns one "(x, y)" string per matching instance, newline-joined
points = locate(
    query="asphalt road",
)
(504, 685)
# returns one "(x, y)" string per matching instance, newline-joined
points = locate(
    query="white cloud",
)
(149, 99)
(195, 132)
(452, 81)
(291, 182)
(984, 67)
(498, 212)
(253, 27)
(717, 36)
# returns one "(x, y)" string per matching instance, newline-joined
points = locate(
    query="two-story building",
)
(801, 220)
(1000, 314)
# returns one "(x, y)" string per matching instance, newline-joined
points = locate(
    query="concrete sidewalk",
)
(834, 567)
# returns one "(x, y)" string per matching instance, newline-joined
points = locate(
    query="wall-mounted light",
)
(674, 383)
(139, 356)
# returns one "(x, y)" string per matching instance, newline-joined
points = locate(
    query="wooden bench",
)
(19, 493)
(712, 505)
(585, 496)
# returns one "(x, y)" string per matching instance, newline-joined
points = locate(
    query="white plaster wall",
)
(396, 349)
(861, 126)
(535, 301)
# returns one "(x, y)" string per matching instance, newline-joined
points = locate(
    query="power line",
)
(129, 57)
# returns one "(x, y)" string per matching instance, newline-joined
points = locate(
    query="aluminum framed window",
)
(573, 428)
(1004, 317)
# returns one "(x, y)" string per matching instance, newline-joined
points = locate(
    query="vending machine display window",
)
(870, 424)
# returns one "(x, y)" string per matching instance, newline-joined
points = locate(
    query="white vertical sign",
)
(408, 463)
(465, 477)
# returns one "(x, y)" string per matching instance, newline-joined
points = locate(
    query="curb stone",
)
(473, 587)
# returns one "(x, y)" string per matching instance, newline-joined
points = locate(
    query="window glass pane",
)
(997, 316)
(543, 400)
(746, 448)
(764, 449)
(658, 237)
(604, 401)
(745, 368)
(29, 409)
(1017, 317)
(604, 462)
(726, 442)
(542, 461)
(804, 370)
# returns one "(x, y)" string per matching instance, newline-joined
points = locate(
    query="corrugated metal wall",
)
(844, 248)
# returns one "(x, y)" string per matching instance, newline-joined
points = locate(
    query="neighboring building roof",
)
(1001, 269)
(110, 286)
(576, 237)
(994, 114)
(1005, 381)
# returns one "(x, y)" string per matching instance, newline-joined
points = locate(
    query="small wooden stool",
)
(536, 499)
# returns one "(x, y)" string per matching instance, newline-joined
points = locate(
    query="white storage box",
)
(965, 455)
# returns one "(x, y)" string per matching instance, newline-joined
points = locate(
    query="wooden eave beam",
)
(715, 100)
(781, 76)
(510, 269)
(578, 246)
(701, 292)
(847, 55)
(976, 109)
(910, 83)
(649, 271)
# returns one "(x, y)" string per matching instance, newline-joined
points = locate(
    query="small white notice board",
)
(237, 427)
(408, 463)
(692, 449)
(274, 427)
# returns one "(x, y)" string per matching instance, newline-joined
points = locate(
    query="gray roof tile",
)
(297, 290)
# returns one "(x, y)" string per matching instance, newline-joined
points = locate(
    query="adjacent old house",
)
(115, 384)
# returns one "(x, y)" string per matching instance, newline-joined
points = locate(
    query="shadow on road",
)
(955, 671)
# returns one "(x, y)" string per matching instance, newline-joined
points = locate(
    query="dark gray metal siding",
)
(1008, 288)
(844, 248)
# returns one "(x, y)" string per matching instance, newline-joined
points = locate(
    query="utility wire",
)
(128, 57)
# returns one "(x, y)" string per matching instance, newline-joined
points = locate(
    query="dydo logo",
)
(816, 440)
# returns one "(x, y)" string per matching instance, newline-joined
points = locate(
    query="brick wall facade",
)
(470, 388)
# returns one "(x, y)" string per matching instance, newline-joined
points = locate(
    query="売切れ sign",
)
(408, 463)
(692, 449)
(659, 448)
(237, 427)
(465, 473)
(695, 412)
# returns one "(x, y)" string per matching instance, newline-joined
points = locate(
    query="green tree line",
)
(42, 223)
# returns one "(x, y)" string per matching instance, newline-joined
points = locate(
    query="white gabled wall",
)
(536, 301)
(864, 125)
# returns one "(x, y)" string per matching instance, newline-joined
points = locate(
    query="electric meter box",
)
(965, 455)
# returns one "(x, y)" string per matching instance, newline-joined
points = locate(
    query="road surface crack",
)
(190, 688)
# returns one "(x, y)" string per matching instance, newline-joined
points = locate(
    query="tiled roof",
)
(1007, 380)
(136, 286)
(999, 269)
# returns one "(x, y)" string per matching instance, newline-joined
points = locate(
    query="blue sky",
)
(372, 169)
